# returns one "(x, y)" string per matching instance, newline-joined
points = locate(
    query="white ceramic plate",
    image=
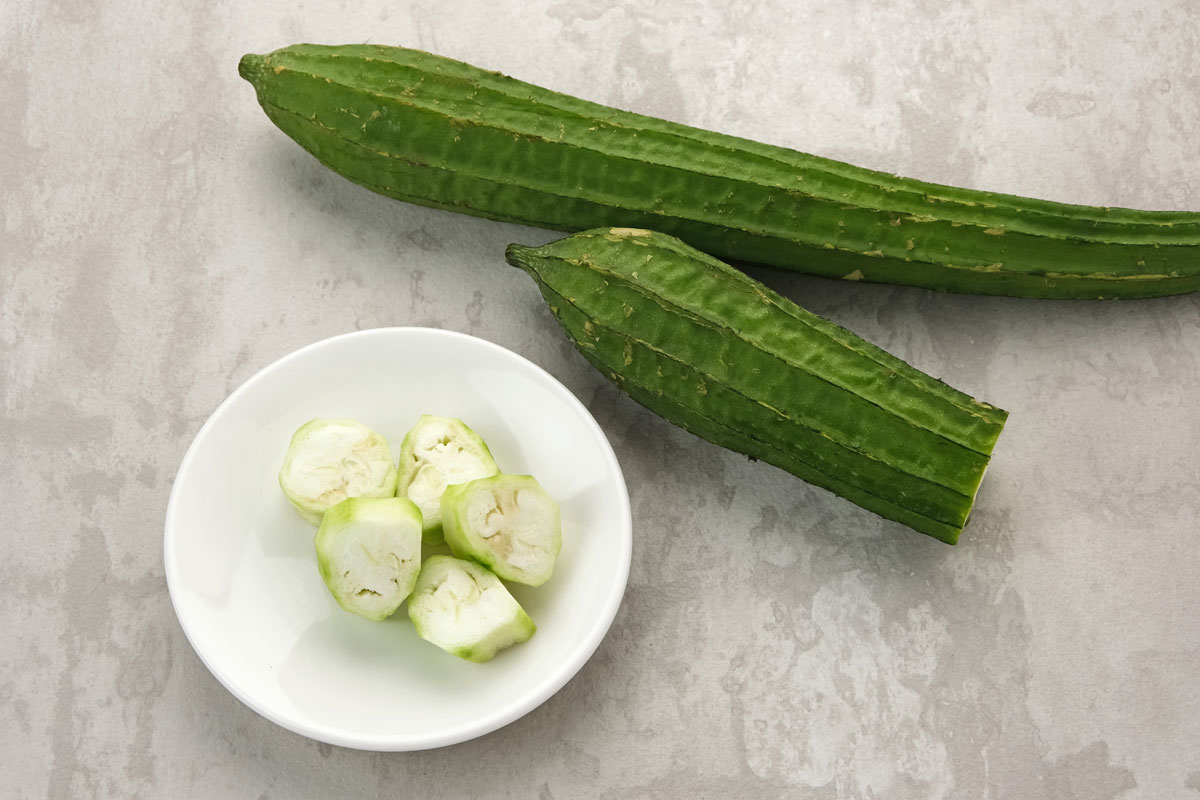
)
(242, 572)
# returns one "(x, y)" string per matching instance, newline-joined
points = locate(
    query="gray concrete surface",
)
(161, 242)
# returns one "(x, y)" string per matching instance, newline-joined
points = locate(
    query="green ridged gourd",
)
(723, 356)
(438, 132)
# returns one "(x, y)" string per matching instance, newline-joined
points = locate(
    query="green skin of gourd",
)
(721, 355)
(437, 132)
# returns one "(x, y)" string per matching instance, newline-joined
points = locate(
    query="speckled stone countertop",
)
(162, 241)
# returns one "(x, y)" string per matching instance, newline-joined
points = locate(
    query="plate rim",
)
(506, 714)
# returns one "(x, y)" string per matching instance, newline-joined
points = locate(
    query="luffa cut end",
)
(369, 554)
(465, 610)
(508, 523)
(329, 460)
(439, 452)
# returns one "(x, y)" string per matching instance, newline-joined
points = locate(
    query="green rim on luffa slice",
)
(329, 460)
(508, 523)
(369, 553)
(439, 452)
(465, 610)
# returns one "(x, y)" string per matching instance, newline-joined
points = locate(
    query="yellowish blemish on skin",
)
(589, 329)
(994, 231)
(910, 244)
(701, 388)
(874, 253)
(854, 276)
(1108, 276)
(628, 310)
(628, 354)
(628, 232)
(278, 69)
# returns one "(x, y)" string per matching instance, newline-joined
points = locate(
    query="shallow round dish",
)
(242, 571)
